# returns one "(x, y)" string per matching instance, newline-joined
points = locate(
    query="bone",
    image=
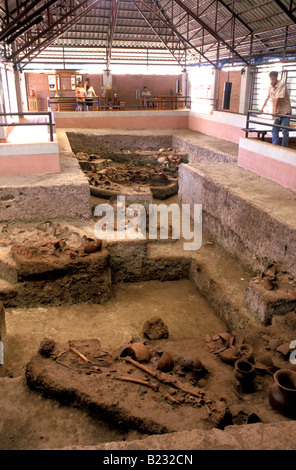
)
(137, 381)
(75, 351)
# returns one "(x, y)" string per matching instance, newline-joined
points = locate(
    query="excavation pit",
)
(132, 390)
(200, 296)
(194, 326)
(150, 170)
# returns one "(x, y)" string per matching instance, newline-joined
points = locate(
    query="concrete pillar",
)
(2, 129)
(10, 77)
(184, 83)
(21, 92)
(215, 89)
(245, 90)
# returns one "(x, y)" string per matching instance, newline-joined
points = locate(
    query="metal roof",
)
(185, 32)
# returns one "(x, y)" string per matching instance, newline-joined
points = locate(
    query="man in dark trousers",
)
(278, 94)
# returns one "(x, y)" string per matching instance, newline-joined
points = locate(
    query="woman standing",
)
(89, 94)
(80, 97)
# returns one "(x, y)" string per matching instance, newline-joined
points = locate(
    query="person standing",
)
(147, 101)
(80, 97)
(278, 94)
(89, 94)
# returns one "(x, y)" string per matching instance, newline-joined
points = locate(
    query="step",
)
(8, 293)
(204, 148)
(217, 276)
(250, 216)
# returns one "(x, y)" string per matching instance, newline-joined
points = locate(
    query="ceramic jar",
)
(244, 372)
(282, 395)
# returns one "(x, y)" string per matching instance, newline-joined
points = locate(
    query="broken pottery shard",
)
(268, 283)
(227, 337)
(230, 355)
(284, 349)
(266, 337)
(274, 343)
(154, 328)
(137, 351)
(215, 337)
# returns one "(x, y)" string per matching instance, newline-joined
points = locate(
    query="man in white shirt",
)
(278, 94)
(146, 101)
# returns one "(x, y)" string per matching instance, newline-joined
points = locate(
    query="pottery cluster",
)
(240, 355)
(111, 176)
(56, 241)
(277, 277)
(162, 360)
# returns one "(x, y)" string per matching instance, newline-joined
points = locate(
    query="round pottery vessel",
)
(136, 351)
(188, 363)
(282, 395)
(91, 245)
(245, 373)
(165, 363)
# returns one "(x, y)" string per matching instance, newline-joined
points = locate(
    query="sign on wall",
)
(52, 82)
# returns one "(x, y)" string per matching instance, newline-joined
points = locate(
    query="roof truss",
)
(185, 32)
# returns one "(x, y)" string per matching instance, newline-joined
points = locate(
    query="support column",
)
(2, 108)
(245, 90)
(185, 85)
(17, 81)
(215, 89)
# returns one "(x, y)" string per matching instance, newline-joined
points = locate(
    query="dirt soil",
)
(182, 398)
(59, 407)
(63, 411)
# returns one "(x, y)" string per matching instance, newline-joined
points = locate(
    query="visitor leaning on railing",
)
(264, 126)
(281, 108)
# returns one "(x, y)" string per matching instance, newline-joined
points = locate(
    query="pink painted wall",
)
(125, 85)
(29, 164)
(275, 170)
(123, 121)
(215, 129)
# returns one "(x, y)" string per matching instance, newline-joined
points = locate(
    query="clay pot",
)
(229, 355)
(189, 363)
(282, 395)
(245, 373)
(91, 245)
(246, 351)
(137, 351)
(165, 363)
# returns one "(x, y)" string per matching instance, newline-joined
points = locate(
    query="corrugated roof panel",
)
(209, 30)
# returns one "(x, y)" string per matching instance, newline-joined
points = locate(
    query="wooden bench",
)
(261, 133)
